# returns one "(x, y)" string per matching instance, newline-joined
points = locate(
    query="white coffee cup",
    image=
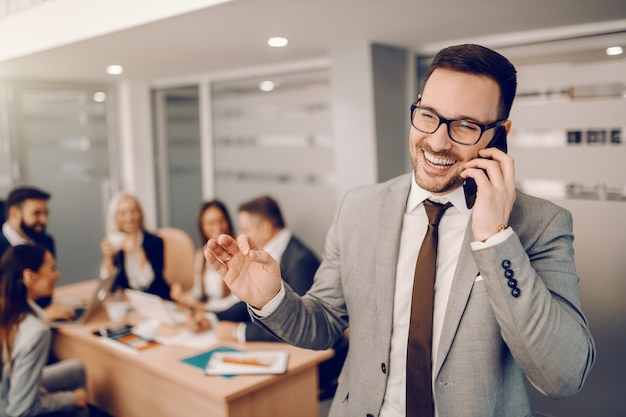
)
(117, 239)
(117, 310)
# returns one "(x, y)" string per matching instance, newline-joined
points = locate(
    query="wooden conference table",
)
(156, 383)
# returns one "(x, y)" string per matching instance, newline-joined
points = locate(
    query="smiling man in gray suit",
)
(506, 303)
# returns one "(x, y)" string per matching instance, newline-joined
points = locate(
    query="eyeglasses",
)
(463, 132)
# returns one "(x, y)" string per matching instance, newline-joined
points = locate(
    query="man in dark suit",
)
(262, 220)
(27, 219)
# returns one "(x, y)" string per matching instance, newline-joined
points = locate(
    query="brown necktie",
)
(419, 396)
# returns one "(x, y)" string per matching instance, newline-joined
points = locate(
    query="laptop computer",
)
(152, 306)
(85, 312)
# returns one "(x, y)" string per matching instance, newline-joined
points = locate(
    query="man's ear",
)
(14, 212)
(507, 125)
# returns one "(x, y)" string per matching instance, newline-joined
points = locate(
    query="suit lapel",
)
(463, 281)
(388, 235)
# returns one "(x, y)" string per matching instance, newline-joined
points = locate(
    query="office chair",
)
(179, 256)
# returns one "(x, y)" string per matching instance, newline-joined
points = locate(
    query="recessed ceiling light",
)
(277, 42)
(99, 96)
(614, 50)
(115, 69)
(267, 86)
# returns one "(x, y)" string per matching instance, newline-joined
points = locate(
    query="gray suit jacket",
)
(21, 391)
(490, 340)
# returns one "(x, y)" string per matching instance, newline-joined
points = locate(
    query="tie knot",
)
(435, 211)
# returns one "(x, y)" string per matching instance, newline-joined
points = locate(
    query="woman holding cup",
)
(130, 251)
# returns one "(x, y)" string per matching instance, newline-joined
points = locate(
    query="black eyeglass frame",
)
(446, 121)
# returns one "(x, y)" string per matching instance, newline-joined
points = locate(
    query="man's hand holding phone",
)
(494, 173)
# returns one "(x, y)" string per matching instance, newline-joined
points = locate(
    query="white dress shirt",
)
(278, 244)
(13, 236)
(451, 232)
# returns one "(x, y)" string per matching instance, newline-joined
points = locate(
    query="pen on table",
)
(244, 361)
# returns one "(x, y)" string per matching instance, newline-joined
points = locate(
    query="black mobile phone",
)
(469, 186)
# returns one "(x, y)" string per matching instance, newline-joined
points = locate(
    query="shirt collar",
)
(13, 236)
(417, 195)
(277, 245)
(39, 312)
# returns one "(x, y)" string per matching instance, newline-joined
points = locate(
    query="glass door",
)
(178, 157)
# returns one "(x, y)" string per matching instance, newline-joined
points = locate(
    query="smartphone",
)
(469, 187)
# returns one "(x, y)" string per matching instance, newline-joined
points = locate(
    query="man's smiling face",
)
(437, 160)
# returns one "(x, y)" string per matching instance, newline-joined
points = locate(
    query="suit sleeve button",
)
(506, 264)
(509, 274)
(383, 368)
(516, 292)
(512, 283)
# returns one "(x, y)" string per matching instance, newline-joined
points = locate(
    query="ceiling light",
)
(277, 42)
(115, 69)
(614, 50)
(99, 96)
(267, 86)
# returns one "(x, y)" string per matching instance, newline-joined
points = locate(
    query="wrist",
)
(502, 227)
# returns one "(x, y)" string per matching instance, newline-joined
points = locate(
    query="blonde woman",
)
(130, 251)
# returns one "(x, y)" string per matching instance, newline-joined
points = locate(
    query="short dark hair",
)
(17, 196)
(266, 207)
(478, 60)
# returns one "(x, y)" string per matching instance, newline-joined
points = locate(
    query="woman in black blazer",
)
(130, 251)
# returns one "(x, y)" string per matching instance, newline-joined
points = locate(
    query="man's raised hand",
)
(250, 272)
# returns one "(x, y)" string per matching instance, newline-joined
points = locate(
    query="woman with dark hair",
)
(28, 387)
(209, 292)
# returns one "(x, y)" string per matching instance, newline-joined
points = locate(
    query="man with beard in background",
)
(27, 218)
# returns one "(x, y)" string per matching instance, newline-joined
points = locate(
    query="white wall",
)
(599, 226)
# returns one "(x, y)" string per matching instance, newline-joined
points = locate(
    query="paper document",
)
(247, 362)
(202, 340)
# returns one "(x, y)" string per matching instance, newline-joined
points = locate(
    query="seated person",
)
(262, 220)
(209, 293)
(130, 251)
(26, 223)
(28, 387)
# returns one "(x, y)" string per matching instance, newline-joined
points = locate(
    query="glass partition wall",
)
(57, 138)
(272, 135)
(269, 135)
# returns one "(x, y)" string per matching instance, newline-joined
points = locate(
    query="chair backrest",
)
(179, 256)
